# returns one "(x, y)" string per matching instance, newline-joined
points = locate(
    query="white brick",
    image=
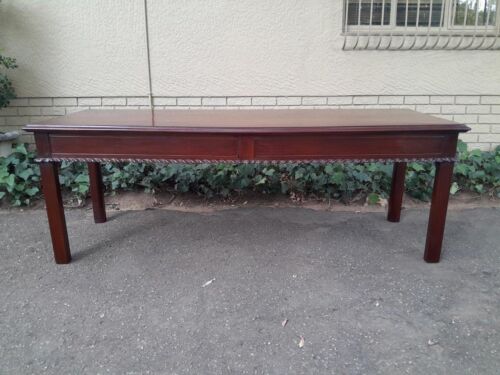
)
(468, 137)
(340, 100)
(480, 146)
(478, 109)
(314, 100)
(53, 111)
(19, 102)
(165, 101)
(489, 119)
(138, 101)
(429, 108)
(37, 119)
(446, 117)
(189, 101)
(16, 121)
(221, 101)
(90, 101)
(479, 128)
(363, 100)
(75, 109)
(40, 102)
(29, 111)
(2, 121)
(403, 106)
(490, 100)
(466, 99)
(290, 100)
(263, 100)
(391, 100)
(9, 111)
(495, 129)
(239, 101)
(466, 119)
(420, 99)
(441, 99)
(64, 102)
(452, 109)
(114, 101)
(495, 109)
(489, 138)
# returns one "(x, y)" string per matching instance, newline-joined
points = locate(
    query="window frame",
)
(447, 24)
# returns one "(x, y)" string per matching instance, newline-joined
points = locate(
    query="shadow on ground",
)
(352, 284)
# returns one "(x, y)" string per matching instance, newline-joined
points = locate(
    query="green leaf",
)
(22, 149)
(454, 188)
(32, 191)
(2, 194)
(261, 181)
(268, 172)
(417, 167)
(10, 181)
(462, 169)
(27, 173)
(373, 198)
(329, 169)
(82, 178)
(462, 146)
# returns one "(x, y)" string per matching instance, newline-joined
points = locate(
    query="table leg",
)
(437, 216)
(397, 192)
(97, 192)
(55, 212)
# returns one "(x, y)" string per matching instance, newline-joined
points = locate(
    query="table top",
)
(249, 121)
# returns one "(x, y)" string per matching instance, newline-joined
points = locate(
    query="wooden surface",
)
(270, 136)
(205, 136)
(250, 121)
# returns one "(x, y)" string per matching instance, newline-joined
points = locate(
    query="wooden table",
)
(235, 136)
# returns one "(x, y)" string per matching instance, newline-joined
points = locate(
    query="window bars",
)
(397, 25)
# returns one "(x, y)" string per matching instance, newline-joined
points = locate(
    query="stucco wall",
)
(69, 48)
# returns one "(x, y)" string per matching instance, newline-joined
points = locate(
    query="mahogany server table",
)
(240, 136)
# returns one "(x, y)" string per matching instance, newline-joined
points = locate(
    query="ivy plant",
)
(475, 171)
(7, 91)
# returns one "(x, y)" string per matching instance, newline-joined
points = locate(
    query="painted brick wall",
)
(481, 113)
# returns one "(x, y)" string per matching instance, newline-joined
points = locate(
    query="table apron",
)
(202, 147)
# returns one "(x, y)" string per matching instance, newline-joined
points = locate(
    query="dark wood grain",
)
(437, 215)
(97, 192)
(397, 192)
(269, 136)
(55, 212)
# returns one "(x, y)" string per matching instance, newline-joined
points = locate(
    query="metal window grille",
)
(421, 25)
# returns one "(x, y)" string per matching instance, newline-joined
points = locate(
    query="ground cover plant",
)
(476, 171)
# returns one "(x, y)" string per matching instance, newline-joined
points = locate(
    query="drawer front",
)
(235, 147)
(315, 147)
(154, 146)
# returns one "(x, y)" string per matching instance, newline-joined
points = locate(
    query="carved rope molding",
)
(215, 161)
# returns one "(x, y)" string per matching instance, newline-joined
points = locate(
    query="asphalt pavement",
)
(250, 291)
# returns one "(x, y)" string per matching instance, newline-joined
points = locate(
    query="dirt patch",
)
(194, 203)
(138, 201)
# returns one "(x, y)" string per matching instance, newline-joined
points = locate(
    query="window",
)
(464, 19)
